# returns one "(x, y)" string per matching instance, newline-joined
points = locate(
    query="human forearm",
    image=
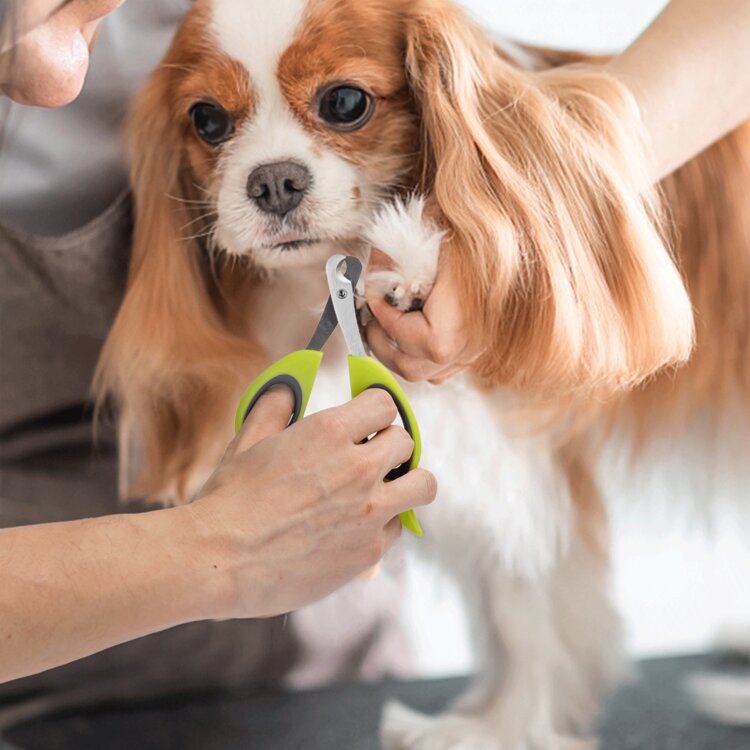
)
(71, 589)
(287, 517)
(690, 74)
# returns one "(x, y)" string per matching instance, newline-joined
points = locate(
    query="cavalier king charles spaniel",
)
(275, 134)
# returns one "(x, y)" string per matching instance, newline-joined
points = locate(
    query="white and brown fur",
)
(575, 285)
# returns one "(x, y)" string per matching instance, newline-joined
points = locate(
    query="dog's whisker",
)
(203, 217)
(189, 201)
(203, 190)
(197, 236)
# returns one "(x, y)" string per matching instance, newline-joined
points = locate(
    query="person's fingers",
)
(381, 345)
(418, 487)
(389, 448)
(371, 411)
(392, 531)
(411, 331)
(409, 367)
(425, 335)
(270, 415)
(370, 574)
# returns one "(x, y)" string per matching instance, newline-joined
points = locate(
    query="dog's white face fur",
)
(256, 35)
(267, 53)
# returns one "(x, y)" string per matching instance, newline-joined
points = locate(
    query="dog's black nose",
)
(278, 188)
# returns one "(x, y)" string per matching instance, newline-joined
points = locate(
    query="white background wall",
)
(677, 578)
(591, 25)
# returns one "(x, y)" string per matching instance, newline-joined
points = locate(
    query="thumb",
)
(270, 415)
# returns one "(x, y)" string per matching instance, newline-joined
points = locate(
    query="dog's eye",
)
(345, 107)
(212, 123)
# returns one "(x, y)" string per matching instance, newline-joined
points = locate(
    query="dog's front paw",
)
(405, 729)
(723, 697)
(401, 231)
(398, 291)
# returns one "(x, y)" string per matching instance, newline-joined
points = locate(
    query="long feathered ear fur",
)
(553, 227)
(172, 359)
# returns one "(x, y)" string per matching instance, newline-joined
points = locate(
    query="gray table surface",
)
(652, 713)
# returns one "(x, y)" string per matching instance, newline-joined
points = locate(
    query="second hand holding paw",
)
(429, 344)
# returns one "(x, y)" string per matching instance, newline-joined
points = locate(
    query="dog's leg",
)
(486, 681)
(725, 697)
(513, 709)
(590, 651)
(584, 644)
(589, 631)
(532, 568)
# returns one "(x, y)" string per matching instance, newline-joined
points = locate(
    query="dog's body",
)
(567, 284)
(507, 529)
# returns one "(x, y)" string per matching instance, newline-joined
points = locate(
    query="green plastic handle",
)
(297, 370)
(366, 372)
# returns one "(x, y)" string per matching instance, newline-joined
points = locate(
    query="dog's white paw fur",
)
(405, 729)
(400, 230)
(723, 697)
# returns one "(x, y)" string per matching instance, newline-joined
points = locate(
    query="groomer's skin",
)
(47, 64)
(690, 75)
(290, 515)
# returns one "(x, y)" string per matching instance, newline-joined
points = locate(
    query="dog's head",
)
(287, 122)
(273, 129)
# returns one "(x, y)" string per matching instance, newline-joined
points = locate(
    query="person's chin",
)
(44, 96)
(56, 78)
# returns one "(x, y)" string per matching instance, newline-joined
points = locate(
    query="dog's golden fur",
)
(563, 249)
(708, 201)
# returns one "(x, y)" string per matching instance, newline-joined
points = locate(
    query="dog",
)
(275, 134)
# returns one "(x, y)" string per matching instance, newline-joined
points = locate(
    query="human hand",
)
(431, 344)
(291, 514)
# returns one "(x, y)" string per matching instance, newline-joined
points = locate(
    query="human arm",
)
(289, 516)
(690, 74)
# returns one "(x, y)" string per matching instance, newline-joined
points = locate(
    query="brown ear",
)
(171, 361)
(553, 228)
